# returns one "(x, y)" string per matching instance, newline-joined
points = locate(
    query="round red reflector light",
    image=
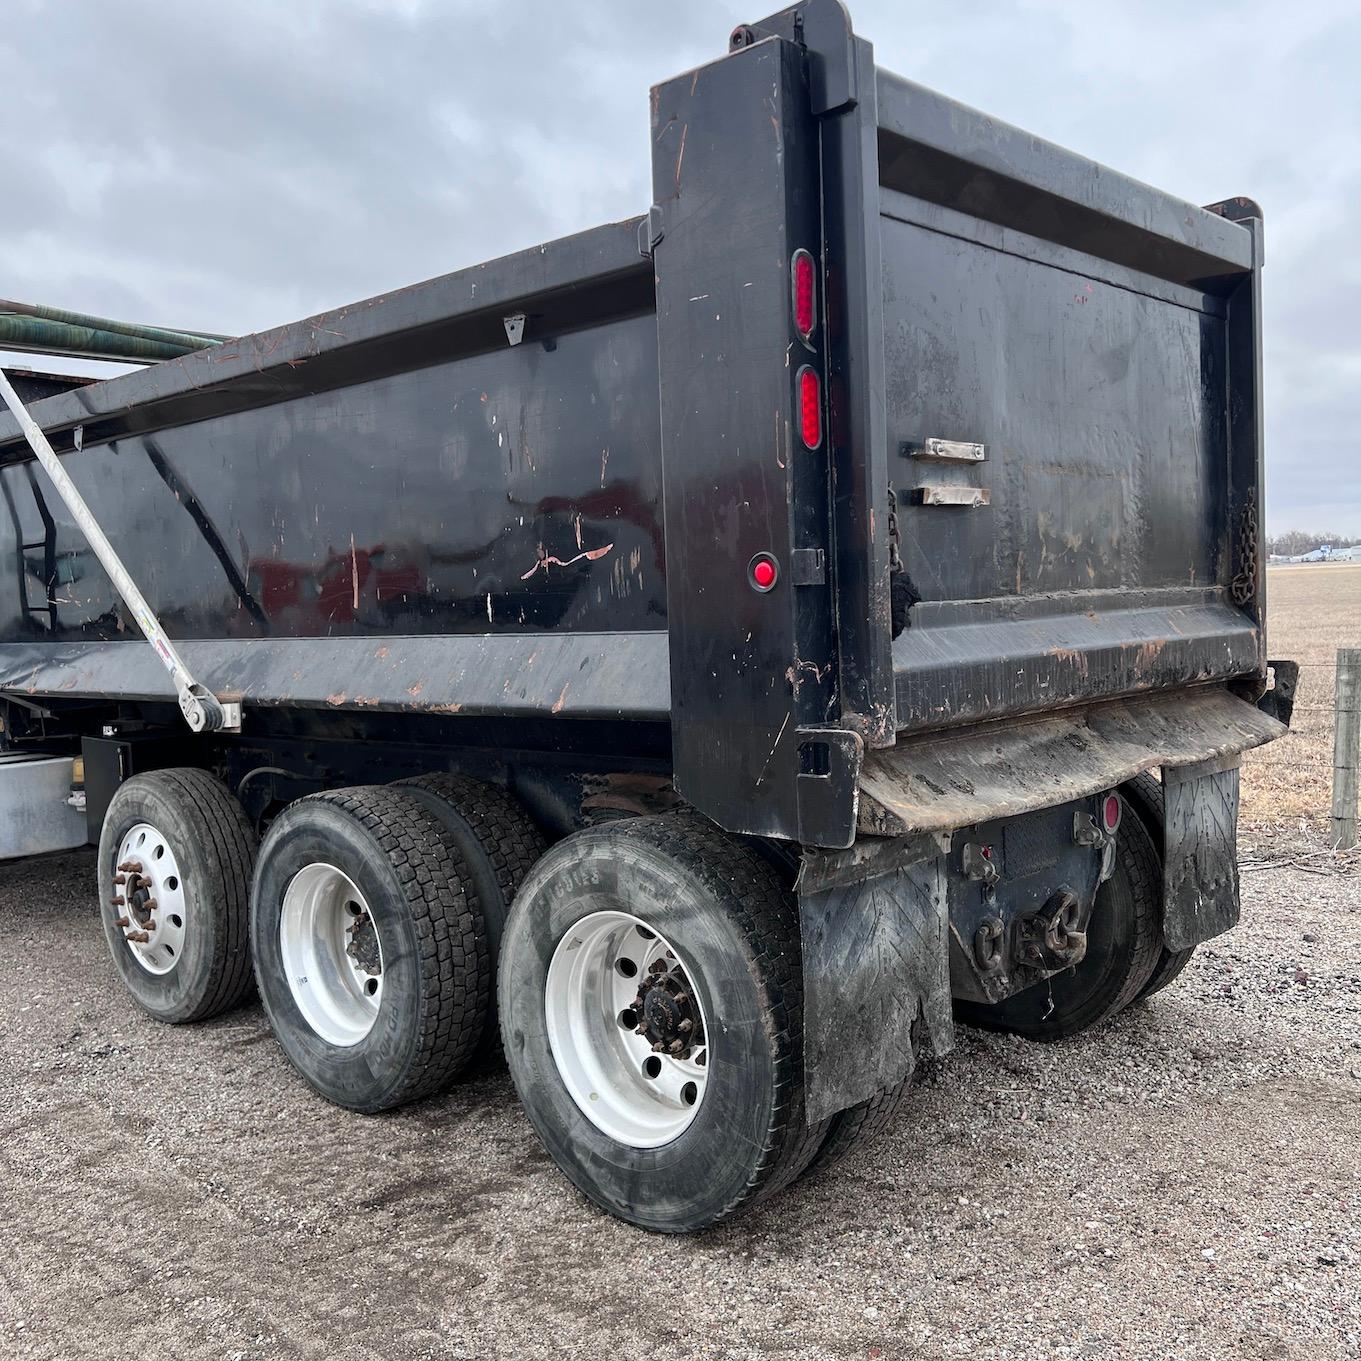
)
(763, 571)
(805, 294)
(1110, 812)
(810, 408)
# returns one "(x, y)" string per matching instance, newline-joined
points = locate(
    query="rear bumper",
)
(962, 777)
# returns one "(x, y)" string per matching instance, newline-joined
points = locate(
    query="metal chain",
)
(1243, 587)
(895, 559)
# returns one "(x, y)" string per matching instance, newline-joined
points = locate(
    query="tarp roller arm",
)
(202, 710)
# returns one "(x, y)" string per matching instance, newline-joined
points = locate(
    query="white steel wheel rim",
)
(332, 954)
(149, 898)
(628, 1089)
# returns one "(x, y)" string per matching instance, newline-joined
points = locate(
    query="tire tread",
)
(448, 923)
(759, 904)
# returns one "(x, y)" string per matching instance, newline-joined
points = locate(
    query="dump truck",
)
(702, 660)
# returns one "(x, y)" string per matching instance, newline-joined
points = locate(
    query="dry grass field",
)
(1312, 610)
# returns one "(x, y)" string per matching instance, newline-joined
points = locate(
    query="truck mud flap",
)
(876, 967)
(995, 770)
(1200, 852)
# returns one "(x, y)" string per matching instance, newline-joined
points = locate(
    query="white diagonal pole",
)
(201, 708)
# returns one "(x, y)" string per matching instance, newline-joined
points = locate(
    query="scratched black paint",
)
(502, 492)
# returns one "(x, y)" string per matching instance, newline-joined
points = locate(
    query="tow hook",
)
(1053, 938)
(1088, 832)
(989, 946)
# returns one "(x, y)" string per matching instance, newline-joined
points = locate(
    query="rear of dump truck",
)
(921, 697)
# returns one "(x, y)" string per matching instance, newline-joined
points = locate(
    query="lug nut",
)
(119, 901)
(120, 879)
(149, 904)
(138, 937)
(122, 922)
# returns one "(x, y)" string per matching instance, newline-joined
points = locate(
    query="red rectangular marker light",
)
(805, 295)
(810, 407)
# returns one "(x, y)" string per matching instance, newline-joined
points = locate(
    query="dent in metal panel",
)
(876, 967)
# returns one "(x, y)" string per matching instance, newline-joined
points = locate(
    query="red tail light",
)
(1110, 812)
(805, 294)
(763, 572)
(810, 407)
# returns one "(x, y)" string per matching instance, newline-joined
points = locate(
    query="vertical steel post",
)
(1346, 748)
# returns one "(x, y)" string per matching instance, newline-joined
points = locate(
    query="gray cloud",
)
(232, 167)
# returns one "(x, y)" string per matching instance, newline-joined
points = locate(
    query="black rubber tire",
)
(499, 845)
(436, 978)
(1144, 795)
(859, 1126)
(1124, 940)
(214, 846)
(723, 910)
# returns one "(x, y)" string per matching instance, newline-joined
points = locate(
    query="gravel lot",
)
(1186, 1183)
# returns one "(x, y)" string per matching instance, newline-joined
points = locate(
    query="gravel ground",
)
(1186, 1183)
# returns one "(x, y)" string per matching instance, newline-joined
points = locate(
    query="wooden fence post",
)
(1346, 748)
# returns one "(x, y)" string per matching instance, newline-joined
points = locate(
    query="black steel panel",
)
(735, 179)
(513, 490)
(1101, 409)
(937, 149)
(566, 284)
(571, 675)
(1084, 650)
(1246, 549)
(1036, 856)
(842, 78)
(1100, 564)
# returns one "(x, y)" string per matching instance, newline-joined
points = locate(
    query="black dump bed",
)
(542, 486)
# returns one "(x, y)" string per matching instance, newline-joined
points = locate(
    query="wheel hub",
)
(149, 904)
(332, 953)
(666, 1012)
(626, 1029)
(363, 947)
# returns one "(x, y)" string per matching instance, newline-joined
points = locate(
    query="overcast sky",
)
(233, 166)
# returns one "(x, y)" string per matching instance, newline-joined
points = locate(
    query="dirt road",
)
(1185, 1184)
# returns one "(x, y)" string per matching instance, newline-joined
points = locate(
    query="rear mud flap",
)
(876, 968)
(1200, 858)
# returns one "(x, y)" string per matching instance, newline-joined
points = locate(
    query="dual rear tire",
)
(373, 915)
(380, 983)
